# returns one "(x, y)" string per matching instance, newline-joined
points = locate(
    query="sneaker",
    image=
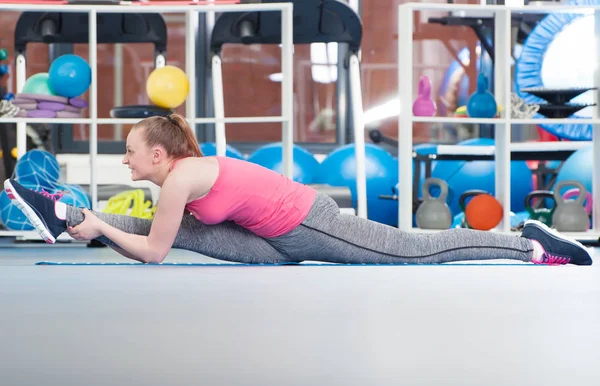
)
(38, 207)
(558, 249)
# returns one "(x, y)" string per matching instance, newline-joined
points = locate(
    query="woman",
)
(243, 212)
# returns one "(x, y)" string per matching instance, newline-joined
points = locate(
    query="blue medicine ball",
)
(69, 76)
(271, 157)
(74, 195)
(11, 216)
(38, 168)
(579, 167)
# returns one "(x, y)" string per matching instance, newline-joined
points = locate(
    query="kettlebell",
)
(462, 202)
(541, 214)
(423, 105)
(570, 215)
(569, 194)
(481, 103)
(434, 213)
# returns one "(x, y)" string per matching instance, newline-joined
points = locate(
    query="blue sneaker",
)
(38, 208)
(558, 248)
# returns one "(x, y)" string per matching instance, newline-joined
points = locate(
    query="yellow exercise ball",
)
(167, 87)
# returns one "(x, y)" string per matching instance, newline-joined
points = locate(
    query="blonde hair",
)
(173, 133)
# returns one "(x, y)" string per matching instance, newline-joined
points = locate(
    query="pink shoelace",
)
(52, 196)
(550, 259)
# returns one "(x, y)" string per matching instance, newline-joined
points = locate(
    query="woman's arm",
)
(165, 225)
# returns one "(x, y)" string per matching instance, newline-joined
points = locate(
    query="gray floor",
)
(412, 325)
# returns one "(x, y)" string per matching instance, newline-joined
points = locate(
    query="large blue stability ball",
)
(70, 76)
(38, 168)
(579, 167)
(210, 149)
(271, 157)
(339, 169)
(466, 175)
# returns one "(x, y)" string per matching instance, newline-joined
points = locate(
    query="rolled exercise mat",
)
(55, 106)
(43, 98)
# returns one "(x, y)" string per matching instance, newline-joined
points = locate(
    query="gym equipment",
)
(270, 156)
(462, 201)
(482, 104)
(139, 111)
(70, 75)
(167, 87)
(579, 166)
(543, 58)
(466, 175)
(73, 28)
(381, 169)
(11, 216)
(433, 213)
(37, 167)
(569, 194)
(3, 54)
(315, 21)
(423, 105)
(210, 149)
(38, 84)
(132, 203)
(73, 195)
(570, 215)
(483, 212)
(541, 214)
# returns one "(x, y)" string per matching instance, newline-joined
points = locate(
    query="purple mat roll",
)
(26, 106)
(78, 102)
(41, 114)
(55, 106)
(43, 98)
(17, 101)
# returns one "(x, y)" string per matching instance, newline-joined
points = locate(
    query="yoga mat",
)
(78, 102)
(91, 264)
(43, 98)
(55, 106)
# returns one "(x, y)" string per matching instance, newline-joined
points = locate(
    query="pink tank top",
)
(254, 197)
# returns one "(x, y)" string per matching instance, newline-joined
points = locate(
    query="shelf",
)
(475, 121)
(511, 121)
(589, 236)
(476, 10)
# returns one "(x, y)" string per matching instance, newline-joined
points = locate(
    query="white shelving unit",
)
(191, 17)
(502, 79)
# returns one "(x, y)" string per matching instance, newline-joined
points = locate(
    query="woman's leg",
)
(327, 235)
(225, 241)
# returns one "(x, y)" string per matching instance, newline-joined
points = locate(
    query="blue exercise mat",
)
(233, 265)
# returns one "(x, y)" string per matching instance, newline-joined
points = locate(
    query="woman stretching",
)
(246, 213)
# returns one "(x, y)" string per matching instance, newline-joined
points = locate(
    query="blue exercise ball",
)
(271, 157)
(70, 75)
(339, 169)
(466, 175)
(210, 149)
(38, 168)
(74, 195)
(11, 216)
(579, 167)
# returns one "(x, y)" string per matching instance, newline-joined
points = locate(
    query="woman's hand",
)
(89, 229)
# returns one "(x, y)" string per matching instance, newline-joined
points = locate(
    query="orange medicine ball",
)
(483, 212)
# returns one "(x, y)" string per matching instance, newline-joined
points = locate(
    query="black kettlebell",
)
(462, 201)
(545, 214)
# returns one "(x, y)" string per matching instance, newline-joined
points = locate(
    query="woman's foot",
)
(39, 208)
(556, 249)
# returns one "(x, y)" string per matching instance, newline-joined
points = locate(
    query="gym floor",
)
(332, 325)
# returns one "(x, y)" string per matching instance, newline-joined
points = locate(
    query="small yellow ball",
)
(167, 87)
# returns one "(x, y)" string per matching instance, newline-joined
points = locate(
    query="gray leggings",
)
(327, 235)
